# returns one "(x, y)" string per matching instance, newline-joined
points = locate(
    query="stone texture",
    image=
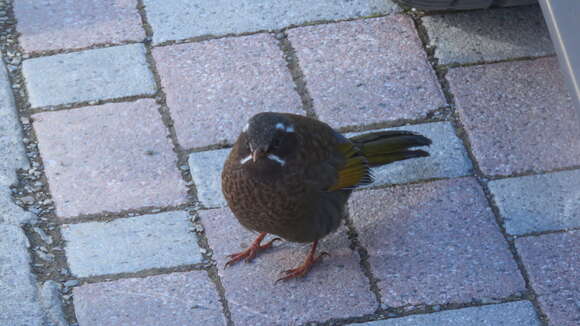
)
(172, 299)
(97, 74)
(11, 152)
(538, 203)
(488, 35)
(434, 243)
(117, 155)
(214, 87)
(553, 265)
(206, 171)
(448, 157)
(57, 24)
(131, 244)
(518, 116)
(19, 301)
(181, 19)
(50, 295)
(366, 71)
(520, 313)
(335, 288)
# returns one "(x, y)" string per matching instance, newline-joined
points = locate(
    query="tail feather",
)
(390, 146)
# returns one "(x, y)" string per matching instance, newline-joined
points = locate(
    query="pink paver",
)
(553, 264)
(335, 288)
(366, 71)
(434, 243)
(172, 299)
(111, 157)
(518, 116)
(213, 87)
(70, 24)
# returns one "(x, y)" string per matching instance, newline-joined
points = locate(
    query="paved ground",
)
(116, 117)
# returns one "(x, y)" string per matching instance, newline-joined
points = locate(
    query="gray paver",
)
(181, 19)
(50, 295)
(520, 313)
(172, 299)
(518, 116)
(11, 152)
(97, 74)
(19, 301)
(214, 87)
(131, 244)
(488, 35)
(206, 171)
(434, 243)
(448, 157)
(118, 155)
(553, 265)
(539, 203)
(366, 71)
(335, 288)
(56, 24)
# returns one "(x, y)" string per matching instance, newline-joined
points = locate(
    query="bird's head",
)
(269, 139)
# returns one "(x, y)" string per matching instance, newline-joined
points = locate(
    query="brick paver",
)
(57, 24)
(181, 19)
(173, 299)
(335, 288)
(206, 171)
(488, 35)
(133, 244)
(90, 75)
(366, 71)
(518, 116)
(214, 87)
(434, 243)
(540, 202)
(448, 157)
(117, 155)
(553, 265)
(520, 313)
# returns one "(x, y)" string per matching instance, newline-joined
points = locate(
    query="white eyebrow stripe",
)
(280, 125)
(246, 159)
(276, 158)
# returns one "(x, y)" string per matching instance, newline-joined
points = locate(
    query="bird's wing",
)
(355, 171)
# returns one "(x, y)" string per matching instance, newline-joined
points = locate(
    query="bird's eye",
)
(276, 142)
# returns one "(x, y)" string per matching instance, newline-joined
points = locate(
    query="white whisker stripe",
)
(276, 158)
(246, 127)
(245, 159)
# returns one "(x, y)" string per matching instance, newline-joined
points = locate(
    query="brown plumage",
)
(291, 176)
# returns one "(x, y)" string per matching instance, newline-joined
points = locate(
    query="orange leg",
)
(303, 269)
(251, 252)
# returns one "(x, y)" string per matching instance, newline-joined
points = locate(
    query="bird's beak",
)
(257, 154)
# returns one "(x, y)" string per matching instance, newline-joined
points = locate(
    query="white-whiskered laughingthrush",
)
(291, 176)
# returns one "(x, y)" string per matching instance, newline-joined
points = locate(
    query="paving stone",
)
(553, 265)
(19, 301)
(172, 299)
(214, 87)
(488, 35)
(518, 116)
(11, 152)
(519, 313)
(89, 75)
(540, 202)
(448, 157)
(335, 288)
(180, 19)
(434, 243)
(206, 171)
(131, 244)
(57, 24)
(117, 155)
(366, 71)
(51, 299)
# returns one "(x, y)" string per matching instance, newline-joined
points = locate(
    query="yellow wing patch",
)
(355, 172)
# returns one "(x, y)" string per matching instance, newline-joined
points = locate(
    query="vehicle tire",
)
(462, 4)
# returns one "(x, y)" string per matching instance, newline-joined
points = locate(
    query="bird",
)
(291, 176)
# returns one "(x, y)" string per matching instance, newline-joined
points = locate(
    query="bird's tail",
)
(385, 147)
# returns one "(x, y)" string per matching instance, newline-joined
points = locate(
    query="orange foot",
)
(303, 269)
(251, 252)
